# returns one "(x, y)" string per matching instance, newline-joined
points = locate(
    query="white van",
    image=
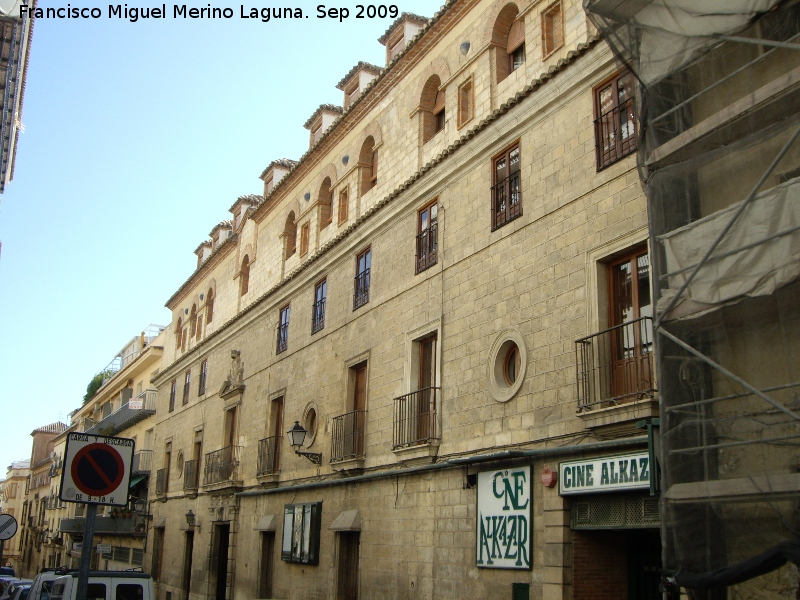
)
(105, 585)
(43, 582)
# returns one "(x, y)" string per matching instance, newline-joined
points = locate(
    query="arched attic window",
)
(325, 204)
(368, 163)
(508, 37)
(244, 276)
(209, 305)
(432, 108)
(290, 233)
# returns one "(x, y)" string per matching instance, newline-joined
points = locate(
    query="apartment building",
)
(123, 406)
(406, 298)
(12, 494)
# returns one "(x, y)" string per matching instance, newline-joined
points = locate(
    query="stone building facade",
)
(12, 494)
(410, 292)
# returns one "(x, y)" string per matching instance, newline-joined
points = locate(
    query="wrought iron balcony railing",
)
(133, 411)
(615, 134)
(427, 245)
(506, 200)
(269, 455)
(283, 338)
(361, 289)
(142, 460)
(347, 440)
(222, 465)
(415, 418)
(616, 365)
(191, 475)
(161, 482)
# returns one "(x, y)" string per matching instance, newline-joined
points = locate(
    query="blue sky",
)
(138, 137)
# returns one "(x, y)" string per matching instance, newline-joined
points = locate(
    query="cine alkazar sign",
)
(604, 474)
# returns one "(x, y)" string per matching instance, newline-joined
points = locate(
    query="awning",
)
(266, 523)
(348, 520)
(136, 480)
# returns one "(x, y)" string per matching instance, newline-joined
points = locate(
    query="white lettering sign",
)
(605, 474)
(504, 519)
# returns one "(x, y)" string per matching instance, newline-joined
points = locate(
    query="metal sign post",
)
(97, 470)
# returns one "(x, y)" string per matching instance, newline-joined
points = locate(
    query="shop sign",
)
(604, 474)
(504, 519)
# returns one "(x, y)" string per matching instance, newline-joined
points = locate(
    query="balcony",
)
(161, 482)
(416, 432)
(283, 338)
(134, 524)
(615, 372)
(269, 455)
(361, 289)
(222, 466)
(191, 475)
(318, 320)
(347, 440)
(142, 461)
(130, 413)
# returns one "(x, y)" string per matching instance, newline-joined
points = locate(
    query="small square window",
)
(552, 29)
(465, 102)
(305, 232)
(343, 206)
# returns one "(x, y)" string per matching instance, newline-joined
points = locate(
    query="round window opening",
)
(507, 365)
(310, 424)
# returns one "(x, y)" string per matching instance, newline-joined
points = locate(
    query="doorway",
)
(188, 550)
(265, 572)
(347, 572)
(222, 532)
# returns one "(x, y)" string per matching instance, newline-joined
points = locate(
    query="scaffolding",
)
(718, 106)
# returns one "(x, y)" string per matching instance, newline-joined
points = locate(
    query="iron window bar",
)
(427, 244)
(347, 439)
(415, 418)
(283, 338)
(190, 475)
(318, 320)
(221, 465)
(506, 205)
(269, 455)
(361, 289)
(615, 134)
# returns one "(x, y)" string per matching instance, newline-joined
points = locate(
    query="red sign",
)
(97, 469)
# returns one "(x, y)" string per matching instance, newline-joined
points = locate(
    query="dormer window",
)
(396, 49)
(351, 95)
(356, 81)
(268, 187)
(316, 132)
(400, 34)
(321, 120)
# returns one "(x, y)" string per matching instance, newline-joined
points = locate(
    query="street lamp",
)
(297, 435)
(190, 520)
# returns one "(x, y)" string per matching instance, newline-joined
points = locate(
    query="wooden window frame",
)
(548, 37)
(426, 252)
(622, 147)
(512, 210)
(466, 113)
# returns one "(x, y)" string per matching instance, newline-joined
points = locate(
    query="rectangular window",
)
(361, 292)
(187, 383)
(283, 331)
(465, 101)
(318, 310)
(301, 528)
(305, 231)
(427, 232)
(506, 193)
(615, 128)
(552, 29)
(343, 206)
(201, 387)
(173, 389)
(158, 552)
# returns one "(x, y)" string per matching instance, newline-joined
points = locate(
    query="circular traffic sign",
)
(97, 469)
(8, 527)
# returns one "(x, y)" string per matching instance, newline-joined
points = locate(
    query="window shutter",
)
(438, 105)
(516, 36)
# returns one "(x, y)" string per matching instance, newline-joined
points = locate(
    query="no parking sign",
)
(96, 470)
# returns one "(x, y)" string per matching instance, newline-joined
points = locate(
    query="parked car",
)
(13, 586)
(105, 585)
(43, 583)
(20, 592)
(5, 581)
(7, 571)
